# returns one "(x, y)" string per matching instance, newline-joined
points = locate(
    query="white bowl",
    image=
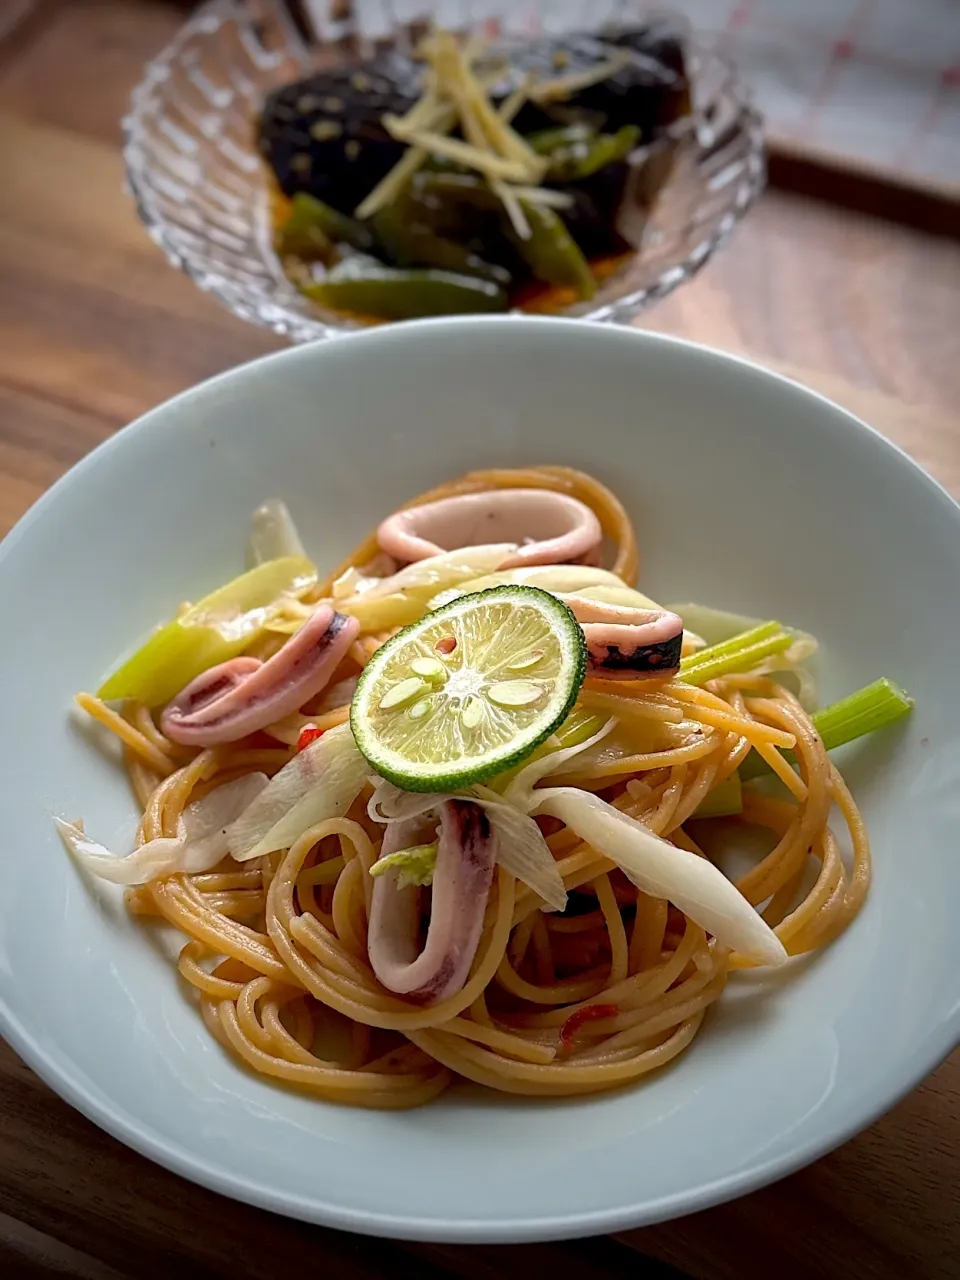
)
(749, 492)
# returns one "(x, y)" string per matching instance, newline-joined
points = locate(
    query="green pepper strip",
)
(581, 160)
(409, 241)
(313, 228)
(396, 294)
(545, 141)
(551, 252)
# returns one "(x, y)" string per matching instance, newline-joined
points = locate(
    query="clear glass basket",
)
(202, 191)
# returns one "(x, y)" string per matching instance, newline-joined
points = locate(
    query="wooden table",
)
(94, 329)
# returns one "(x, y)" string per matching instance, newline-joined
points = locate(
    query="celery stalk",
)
(763, 631)
(873, 707)
(217, 628)
(415, 865)
(740, 653)
(579, 725)
(725, 800)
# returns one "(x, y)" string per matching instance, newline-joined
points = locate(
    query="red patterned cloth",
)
(876, 81)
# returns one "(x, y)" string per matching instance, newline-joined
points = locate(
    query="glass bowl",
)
(202, 189)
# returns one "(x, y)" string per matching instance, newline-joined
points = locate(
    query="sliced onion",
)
(781, 668)
(622, 743)
(200, 843)
(320, 782)
(273, 534)
(289, 615)
(153, 859)
(520, 791)
(445, 569)
(391, 804)
(403, 596)
(357, 581)
(660, 869)
(804, 647)
(559, 580)
(206, 821)
(522, 850)
(614, 593)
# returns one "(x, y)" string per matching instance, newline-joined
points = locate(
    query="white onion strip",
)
(201, 841)
(320, 782)
(655, 866)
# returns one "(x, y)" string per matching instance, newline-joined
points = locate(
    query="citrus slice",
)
(470, 689)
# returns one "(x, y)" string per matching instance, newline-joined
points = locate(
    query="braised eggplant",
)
(568, 123)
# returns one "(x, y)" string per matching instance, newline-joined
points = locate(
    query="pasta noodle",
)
(275, 950)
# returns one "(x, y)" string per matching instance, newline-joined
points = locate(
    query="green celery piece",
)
(415, 864)
(874, 707)
(579, 725)
(390, 293)
(217, 628)
(860, 713)
(551, 252)
(740, 653)
(763, 631)
(725, 800)
(313, 228)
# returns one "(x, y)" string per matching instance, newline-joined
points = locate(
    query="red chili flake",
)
(589, 1013)
(446, 644)
(309, 733)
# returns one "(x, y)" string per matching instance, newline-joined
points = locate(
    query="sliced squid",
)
(624, 643)
(238, 697)
(551, 528)
(461, 886)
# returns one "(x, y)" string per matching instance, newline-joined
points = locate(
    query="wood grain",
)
(875, 1209)
(95, 328)
(834, 291)
(908, 199)
(69, 1190)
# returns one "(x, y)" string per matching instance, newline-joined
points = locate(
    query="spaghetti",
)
(276, 948)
